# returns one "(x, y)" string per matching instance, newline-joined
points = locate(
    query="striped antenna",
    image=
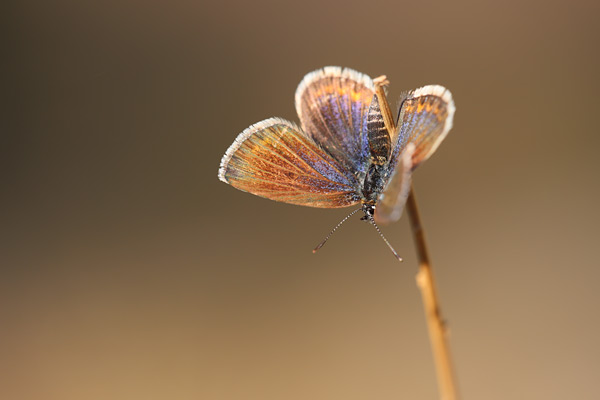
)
(383, 237)
(334, 229)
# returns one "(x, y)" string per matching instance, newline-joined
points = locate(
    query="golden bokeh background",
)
(128, 271)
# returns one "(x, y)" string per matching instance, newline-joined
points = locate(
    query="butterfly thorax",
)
(373, 183)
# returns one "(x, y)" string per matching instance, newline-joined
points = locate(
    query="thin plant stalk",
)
(431, 302)
(425, 279)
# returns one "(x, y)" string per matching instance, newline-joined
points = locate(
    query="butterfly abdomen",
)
(378, 135)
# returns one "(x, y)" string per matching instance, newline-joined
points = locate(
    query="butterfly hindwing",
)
(276, 160)
(332, 104)
(390, 203)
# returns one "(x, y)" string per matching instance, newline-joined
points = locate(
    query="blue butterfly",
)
(342, 153)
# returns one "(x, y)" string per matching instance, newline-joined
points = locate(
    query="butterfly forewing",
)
(425, 117)
(276, 160)
(332, 104)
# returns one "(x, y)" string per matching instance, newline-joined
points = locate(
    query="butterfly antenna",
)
(334, 229)
(384, 239)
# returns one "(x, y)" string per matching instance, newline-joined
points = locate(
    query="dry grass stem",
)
(431, 303)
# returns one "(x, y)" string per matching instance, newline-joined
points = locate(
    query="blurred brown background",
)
(128, 271)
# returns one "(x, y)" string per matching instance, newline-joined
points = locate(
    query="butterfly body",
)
(343, 153)
(380, 150)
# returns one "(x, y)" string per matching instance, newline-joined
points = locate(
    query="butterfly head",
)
(369, 210)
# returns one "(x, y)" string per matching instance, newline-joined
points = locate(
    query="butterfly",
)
(343, 153)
